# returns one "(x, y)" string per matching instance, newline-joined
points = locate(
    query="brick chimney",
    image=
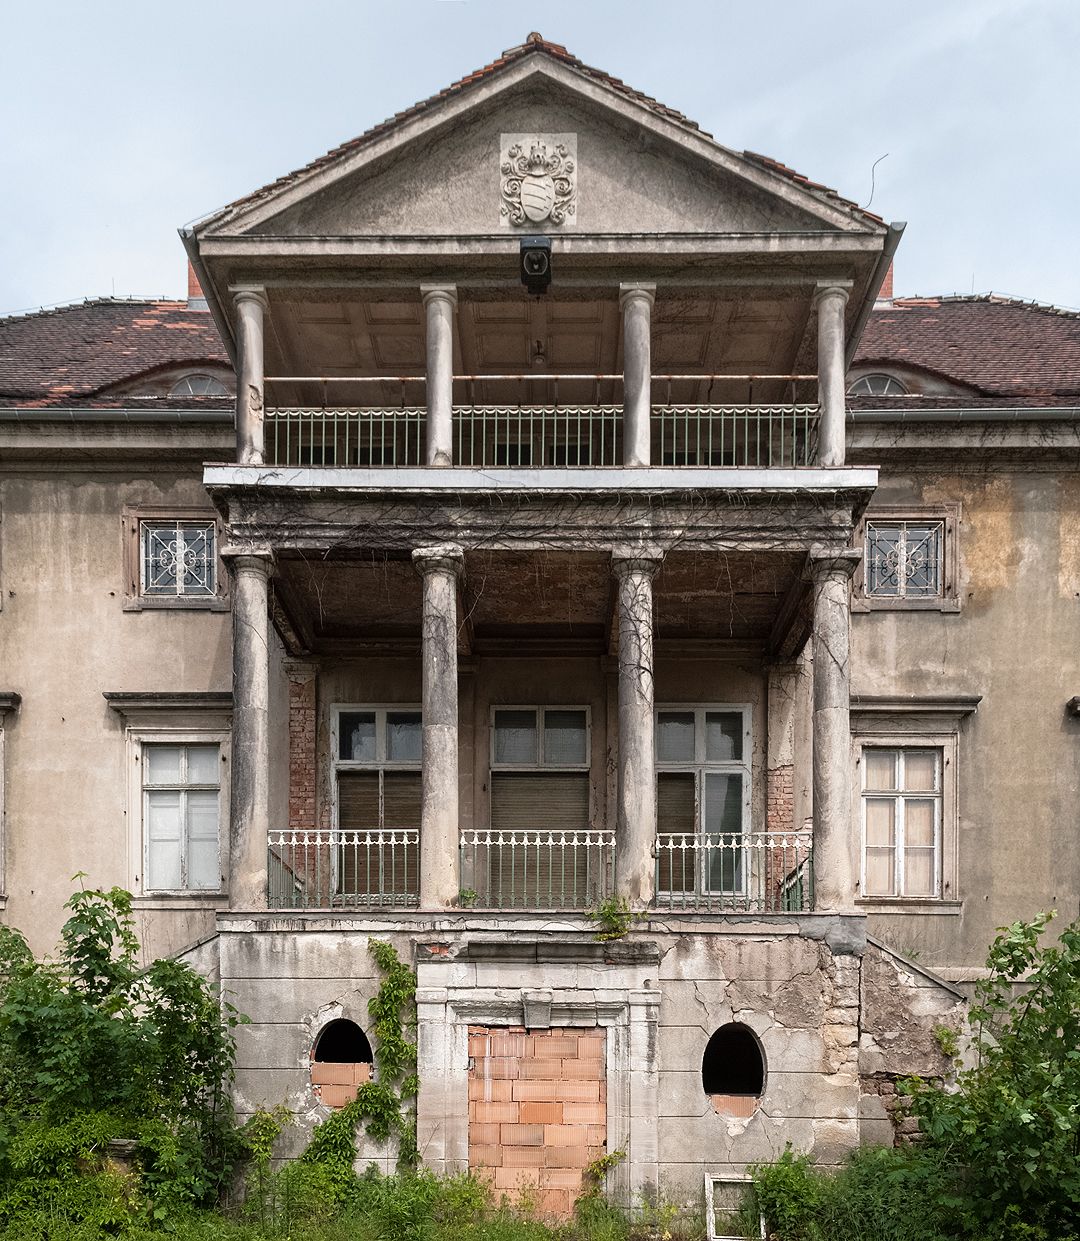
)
(885, 293)
(195, 298)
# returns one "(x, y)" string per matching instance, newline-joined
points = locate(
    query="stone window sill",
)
(180, 900)
(207, 604)
(907, 905)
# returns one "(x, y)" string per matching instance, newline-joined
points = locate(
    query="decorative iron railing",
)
(326, 869)
(534, 870)
(544, 436)
(758, 872)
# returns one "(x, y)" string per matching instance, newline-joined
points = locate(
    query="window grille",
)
(199, 385)
(905, 559)
(178, 558)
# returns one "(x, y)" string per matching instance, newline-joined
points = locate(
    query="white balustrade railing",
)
(536, 869)
(761, 872)
(544, 436)
(324, 869)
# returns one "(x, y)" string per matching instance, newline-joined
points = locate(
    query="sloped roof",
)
(534, 45)
(62, 355)
(997, 345)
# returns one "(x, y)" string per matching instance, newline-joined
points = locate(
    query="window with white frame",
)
(178, 559)
(377, 783)
(181, 815)
(703, 756)
(540, 768)
(902, 794)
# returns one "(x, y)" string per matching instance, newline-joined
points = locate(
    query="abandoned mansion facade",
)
(539, 510)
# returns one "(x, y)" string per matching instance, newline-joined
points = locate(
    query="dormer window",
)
(198, 385)
(877, 384)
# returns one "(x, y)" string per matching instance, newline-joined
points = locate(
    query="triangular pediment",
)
(537, 146)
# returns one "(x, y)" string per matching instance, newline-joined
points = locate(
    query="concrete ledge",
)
(616, 479)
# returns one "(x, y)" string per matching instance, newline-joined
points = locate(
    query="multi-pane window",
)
(181, 786)
(905, 559)
(877, 385)
(902, 815)
(540, 768)
(177, 559)
(377, 761)
(702, 790)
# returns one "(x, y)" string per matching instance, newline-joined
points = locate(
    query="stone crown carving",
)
(538, 183)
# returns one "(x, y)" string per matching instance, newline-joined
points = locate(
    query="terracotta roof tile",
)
(79, 350)
(996, 345)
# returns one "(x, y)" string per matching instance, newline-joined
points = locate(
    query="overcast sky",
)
(121, 120)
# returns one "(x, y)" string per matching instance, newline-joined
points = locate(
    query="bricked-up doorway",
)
(537, 1110)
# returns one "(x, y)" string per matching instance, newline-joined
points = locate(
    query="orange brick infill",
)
(521, 1135)
(572, 1090)
(583, 1113)
(517, 1178)
(483, 1156)
(570, 1156)
(478, 1046)
(565, 1135)
(522, 1157)
(579, 1068)
(536, 1091)
(562, 1178)
(555, 1203)
(541, 1113)
(515, 1045)
(493, 1112)
(554, 1046)
(483, 1134)
(331, 1073)
(540, 1070)
(502, 1066)
(590, 1049)
(490, 1089)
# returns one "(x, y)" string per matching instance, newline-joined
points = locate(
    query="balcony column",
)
(249, 803)
(835, 845)
(831, 300)
(636, 832)
(636, 301)
(251, 308)
(439, 302)
(440, 567)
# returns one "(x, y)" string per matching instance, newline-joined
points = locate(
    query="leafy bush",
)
(92, 1048)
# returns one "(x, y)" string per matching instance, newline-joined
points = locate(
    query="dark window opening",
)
(342, 1042)
(733, 1064)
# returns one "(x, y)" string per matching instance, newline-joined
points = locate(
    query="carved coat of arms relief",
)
(538, 178)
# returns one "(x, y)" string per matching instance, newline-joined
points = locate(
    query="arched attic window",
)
(733, 1070)
(340, 1062)
(877, 384)
(198, 384)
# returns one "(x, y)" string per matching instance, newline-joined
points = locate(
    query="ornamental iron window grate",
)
(179, 558)
(905, 559)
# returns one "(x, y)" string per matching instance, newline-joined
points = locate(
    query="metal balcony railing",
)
(544, 436)
(536, 870)
(326, 869)
(756, 872)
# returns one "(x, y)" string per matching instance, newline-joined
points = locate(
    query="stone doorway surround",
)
(541, 985)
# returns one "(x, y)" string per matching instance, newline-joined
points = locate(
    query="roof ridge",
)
(990, 298)
(57, 308)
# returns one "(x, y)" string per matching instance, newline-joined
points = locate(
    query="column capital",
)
(246, 293)
(440, 558)
(438, 293)
(823, 564)
(833, 288)
(631, 290)
(644, 560)
(253, 559)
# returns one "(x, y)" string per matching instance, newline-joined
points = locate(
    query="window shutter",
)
(538, 874)
(401, 799)
(675, 816)
(163, 832)
(373, 868)
(358, 799)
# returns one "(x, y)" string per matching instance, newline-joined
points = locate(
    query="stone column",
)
(251, 307)
(439, 303)
(831, 300)
(636, 301)
(636, 829)
(835, 845)
(440, 568)
(249, 808)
